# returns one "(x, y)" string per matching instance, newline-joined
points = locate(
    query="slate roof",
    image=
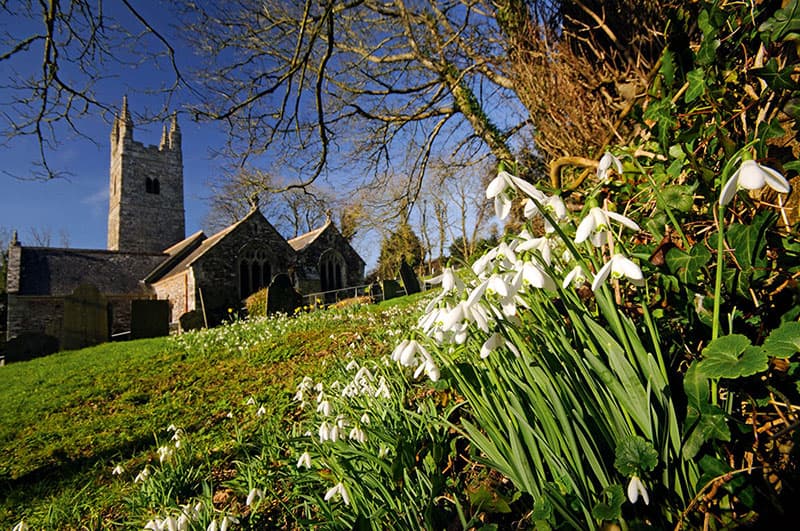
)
(304, 240)
(57, 272)
(206, 245)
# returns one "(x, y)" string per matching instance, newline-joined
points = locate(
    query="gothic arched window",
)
(148, 185)
(255, 270)
(332, 271)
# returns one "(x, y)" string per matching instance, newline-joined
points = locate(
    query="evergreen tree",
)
(402, 244)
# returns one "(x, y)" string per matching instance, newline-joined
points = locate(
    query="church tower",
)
(145, 207)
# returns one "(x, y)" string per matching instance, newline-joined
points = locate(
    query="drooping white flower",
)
(606, 161)
(118, 470)
(212, 526)
(324, 407)
(143, 475)
(153, 525)
(338, 490)
(449, 281)
(304, 461)
(753, 176)
(596, 225)
(618, 266)
(164, 453)
(532, 275)
(383, 390)
(169, 524)
(364, 419)
(357, 434)
(324, 432)
(576, 276)
(636, 489)
(255, 493)
(21, 526)
(261, 411)
(553, 205)
(227, 521)
(251, 401)
(491, 344)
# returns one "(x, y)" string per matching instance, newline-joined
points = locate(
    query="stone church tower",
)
(145, 207)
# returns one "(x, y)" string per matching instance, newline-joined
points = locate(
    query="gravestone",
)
(30, 345)
(376, 292)
(149, 318)
(391, 289)
(410, 280)
(86, 318)
(192, 320)
(281, 296)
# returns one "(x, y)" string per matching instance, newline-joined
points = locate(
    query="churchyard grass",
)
(69, 419)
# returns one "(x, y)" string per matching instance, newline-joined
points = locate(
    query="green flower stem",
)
(718, 289)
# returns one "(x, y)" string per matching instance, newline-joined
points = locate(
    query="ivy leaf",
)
(776, 79)
(784, 341)
(485, 499)
(732, 356)
(707, 423)
(697, 85)
(687, 266)
(784, 24)
(612, 509)
(542, 509)
(635, 455)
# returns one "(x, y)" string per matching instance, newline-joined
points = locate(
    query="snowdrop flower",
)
(172, 427)
(226, 522)
(364, 419)
(595, 225)
(251, 401)
(576, 277)
(170, 524)
(324, 432)
(353, 365)
(605, 164)
(449, 281)
(753, 176)
(337, 490)
(254, 493)
(499, 189)
(304, 461)
(635, 489)
(357, 434)
(261, 411)
(383, 390)
(143, 475)
(618, 266)
(21, 526)
(164, 453)
(212, 526)
(118, 470)
(491, 344)
(324, 407)
(154, 525)
(553, 205)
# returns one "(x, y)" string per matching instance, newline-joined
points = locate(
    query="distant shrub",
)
(256, 303)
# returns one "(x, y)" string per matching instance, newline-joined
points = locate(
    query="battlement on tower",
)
(145, 210)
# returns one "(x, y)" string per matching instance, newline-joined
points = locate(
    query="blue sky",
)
(76, 206)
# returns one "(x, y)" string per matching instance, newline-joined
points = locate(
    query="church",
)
(149, 256)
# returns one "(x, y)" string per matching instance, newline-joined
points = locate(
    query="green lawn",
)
(67, 419)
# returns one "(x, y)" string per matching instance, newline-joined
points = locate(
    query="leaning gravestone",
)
(410, 280)
(85, 318)
(376, 292)
(192, 320)
(149, 318)
(391, 289)
(281, 296)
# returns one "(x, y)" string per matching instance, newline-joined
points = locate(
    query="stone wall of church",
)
(41, 314)
(179, 291)
(309, 261)
(216, 273)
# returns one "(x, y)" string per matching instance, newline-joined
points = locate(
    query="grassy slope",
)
(67, 419)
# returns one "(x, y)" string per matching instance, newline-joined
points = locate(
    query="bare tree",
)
(57, 57)
(293, 211)
(40, 236)
(307, 81)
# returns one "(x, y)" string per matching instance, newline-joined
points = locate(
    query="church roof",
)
(57, 272)
(206, 245)
(304, 240)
